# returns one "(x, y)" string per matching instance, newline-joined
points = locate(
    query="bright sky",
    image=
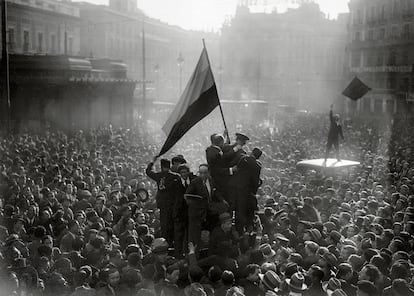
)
(210, 14)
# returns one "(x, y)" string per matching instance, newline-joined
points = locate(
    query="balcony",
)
(407, 39)
(49, 5)
(383, 69)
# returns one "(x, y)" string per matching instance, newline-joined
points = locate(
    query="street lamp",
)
(180, 61)
(300, 93)
(157, 70)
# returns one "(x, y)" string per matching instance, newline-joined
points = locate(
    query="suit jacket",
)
(197, 187)
(180, 205)
(335, 130)
(166, 183)
(218, 162)
(233, 158)
(248, 174)
(29, 223)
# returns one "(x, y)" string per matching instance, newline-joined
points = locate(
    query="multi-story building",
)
(43, 27)
(380, 53)
(293, 58)
(116, 32)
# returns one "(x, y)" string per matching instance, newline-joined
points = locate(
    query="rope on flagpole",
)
(221, 109)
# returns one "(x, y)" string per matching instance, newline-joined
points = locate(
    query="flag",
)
(356, 89)
(199, 98)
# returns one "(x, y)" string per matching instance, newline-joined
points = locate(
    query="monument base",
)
(329, 163)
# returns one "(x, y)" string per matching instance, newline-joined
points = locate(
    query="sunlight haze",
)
(210, 14)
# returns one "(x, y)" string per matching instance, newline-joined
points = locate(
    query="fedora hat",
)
(331, 285)
(297, 282)
(270, 280)
(267, 251)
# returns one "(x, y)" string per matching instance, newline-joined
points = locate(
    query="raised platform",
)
(330, 163)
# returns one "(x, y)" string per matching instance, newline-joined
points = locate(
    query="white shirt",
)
(207, 184)
(185, 182)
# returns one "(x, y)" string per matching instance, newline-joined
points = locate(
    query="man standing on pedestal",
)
(165, 198)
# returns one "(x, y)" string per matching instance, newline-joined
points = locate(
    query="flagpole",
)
(221, 109)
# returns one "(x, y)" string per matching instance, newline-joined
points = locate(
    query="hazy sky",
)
(210, 14)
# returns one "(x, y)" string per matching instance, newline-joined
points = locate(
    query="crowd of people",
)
(89, 213)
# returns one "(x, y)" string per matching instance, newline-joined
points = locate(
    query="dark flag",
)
(199, 98)
(356, 89)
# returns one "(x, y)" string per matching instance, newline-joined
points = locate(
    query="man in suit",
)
(166, 183)
(218, 163)
(180, 211)
(246, 183)
(198, 196)
(239, 153)
(335, 131)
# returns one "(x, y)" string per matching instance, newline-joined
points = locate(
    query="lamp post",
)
(180, 61)
(157, 71)
(300, 94)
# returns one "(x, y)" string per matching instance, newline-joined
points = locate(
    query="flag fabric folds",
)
(199, 98)
(356, 89)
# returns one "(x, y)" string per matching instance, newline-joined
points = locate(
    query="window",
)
(26, 41)
(404, 84)
(40, 42)
(404, 57)
(11, 39)
(53, 43)
(359, 16)
(372, 15)
(383, 12)
(381, 34)
(70, 48)
(380, 59)
(356, 59)
(394, 32)
(357, 36)
(392, 58)
(395, 9)
(406, 31)
(370, 35)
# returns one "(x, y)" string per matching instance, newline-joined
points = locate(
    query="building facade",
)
(116, 32)
(380, 52)
(293, 58)
(43, 27)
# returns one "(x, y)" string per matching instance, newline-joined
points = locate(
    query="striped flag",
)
(356, 89)
(199, 98)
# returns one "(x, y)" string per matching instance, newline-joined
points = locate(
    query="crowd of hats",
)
(78, 217)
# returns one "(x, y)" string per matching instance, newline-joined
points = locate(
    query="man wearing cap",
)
(166, 183)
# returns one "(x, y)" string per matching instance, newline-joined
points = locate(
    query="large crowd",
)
(91, 212)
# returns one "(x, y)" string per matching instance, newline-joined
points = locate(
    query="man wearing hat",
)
(246, 181)
(218, 162)
(296, 284)
(221, 233)
(269, 281)
(166, 183)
